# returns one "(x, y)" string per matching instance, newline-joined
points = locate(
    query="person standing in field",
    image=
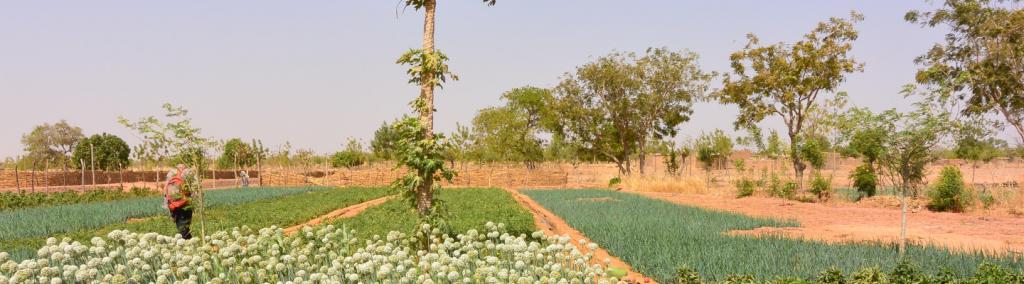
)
(245, 178)
(177, 199)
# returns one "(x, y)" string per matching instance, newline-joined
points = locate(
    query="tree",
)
(784, 80)
(111, 152)
(175, 137)
(428, 70)
(510, 132)
(907, 150)
(981, 61)
(52, 142)
(352, 156)
(610, 108)
(237, 154)
(383, 143)
(713, 150)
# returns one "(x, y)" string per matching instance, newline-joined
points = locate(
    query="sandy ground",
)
(996, 234)
(346, 212)
(551, 225)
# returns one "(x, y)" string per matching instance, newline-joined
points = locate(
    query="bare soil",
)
(346, 212)
(552, 225)
(987, 232)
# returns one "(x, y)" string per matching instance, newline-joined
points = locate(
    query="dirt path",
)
(346, 212)
(551, 224)
(848, 223)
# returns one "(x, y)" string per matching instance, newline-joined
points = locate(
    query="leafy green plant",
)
(614, 181)
(865, 179)
(780, 189)
(987, 199)
(686, 275)
(949, 192)
(821, 187)
(16, 200)
(744, 187)
(832, 275)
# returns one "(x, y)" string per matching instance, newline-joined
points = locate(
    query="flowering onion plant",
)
(322, 255)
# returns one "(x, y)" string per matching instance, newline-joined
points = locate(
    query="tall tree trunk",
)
(798, 164)
(424, 194)
(903, 220)
(641, 150)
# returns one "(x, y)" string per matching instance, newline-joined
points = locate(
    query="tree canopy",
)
(785, 80)
(52, 142)
(111, 152)
(610, 108)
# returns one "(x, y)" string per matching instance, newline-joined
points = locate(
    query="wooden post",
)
(17, 178)
(64, 173)
(235, 172)
(259, 169)
(33, 171)
(82, 185)
(92, 157)
(46, 174)
(120, 169)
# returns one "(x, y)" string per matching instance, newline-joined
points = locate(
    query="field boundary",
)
(346, 212)
(552, 225)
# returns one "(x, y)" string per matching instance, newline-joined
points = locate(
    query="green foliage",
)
(426, 68)
(821, 187)
(832, 275)
(51, 142)
(970, 148)
(865, 180)
(786, 79)
(15, 200)
(813, 151)
(745, 187)
(237, 154)
(174, 137)
(610, 108)
(509, 133)
(980, 63)
(45, 221)
(352, 156)
(686, 275)
(111, 152)
(986, 198)
(685, 235)
(424, 157)
(949, 192)
(384, 142)
(713, 148)
(614, 181)
(672, 162)
(467, 209)
(776, 187)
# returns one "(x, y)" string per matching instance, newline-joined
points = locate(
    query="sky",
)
(314, 73)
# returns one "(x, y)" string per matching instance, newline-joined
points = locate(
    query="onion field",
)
(657, 237)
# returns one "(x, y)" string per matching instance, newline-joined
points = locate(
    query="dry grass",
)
(673, 184)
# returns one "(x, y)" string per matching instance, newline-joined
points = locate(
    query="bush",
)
(776, 188)
(686, 275)
(347, 159)
(744, 188)
(614, 181)
(865, 180)
(987, 200)
(821, 187)
(949, 192)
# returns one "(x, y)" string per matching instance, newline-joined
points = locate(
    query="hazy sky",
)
(317, 72)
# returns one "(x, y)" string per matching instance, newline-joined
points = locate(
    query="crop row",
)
(282, 210)
(657, 237)
(18, 200)
(464, 209)
(45, 221)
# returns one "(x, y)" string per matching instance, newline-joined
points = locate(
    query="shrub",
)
(821, 187)
(744, 188)
(832, 275)
(686, 275)
(614, 181)
(776, 188)
(949, 192)
(987, 200)
(865, 180)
